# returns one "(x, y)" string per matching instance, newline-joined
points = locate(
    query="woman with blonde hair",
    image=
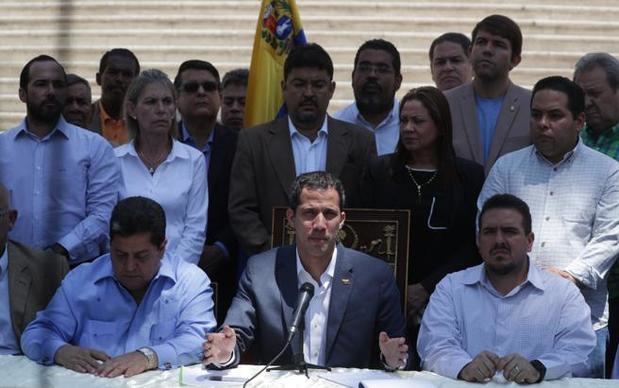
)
(155, 165)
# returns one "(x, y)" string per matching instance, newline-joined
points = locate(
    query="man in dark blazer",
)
(491, 115)
(28, 280)
(198, 89)
(271, 155)
(354, 312)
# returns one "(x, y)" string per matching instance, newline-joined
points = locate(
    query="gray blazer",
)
(512, 128)
(364, 301)
(34, 277)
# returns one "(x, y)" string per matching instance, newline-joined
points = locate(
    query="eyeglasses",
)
(193, 86)
(379, 68)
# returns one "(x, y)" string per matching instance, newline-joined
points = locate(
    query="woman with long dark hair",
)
(441, 190)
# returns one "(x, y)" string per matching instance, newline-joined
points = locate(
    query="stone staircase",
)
(164, 33)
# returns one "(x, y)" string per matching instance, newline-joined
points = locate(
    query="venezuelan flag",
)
(277, 32)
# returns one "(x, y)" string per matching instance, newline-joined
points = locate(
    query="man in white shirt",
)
(376, 78)
(505, 315)
(573, 194)
(355, 310)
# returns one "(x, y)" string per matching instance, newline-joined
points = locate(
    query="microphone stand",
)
(298, 360)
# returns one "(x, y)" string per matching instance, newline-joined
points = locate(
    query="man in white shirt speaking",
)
(505, 315)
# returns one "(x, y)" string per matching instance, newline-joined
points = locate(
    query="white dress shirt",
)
(544, 318)
(309, 156)
(317, 315)
(575, 209)
(179, 186)
(386, 134)
(8, 341)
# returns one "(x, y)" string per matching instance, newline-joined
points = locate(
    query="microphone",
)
(306, 292)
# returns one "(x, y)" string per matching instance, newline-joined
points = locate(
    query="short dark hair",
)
(137, 215)
(310, 55)
(607, 62)
(237, 77)
(24, 76)
(73, 79)
(453, 37)
(508, 201)
(504, 27)
(575, 94)
(196, 64)
(317, 180)
(119, 52)
(383, 45)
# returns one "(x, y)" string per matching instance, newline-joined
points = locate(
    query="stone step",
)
(371, 24)
(551, 9)
(242, 54)
(129, 37)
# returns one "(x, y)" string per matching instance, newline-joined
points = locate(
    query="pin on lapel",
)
(346, 281)
(512, 108)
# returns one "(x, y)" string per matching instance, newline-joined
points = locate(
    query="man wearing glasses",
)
(199, 98)
(375, 79)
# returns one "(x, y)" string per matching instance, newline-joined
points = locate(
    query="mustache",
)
(500, 247)
(371, 84)
(309, 101)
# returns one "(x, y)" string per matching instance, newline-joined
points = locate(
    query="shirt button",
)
(543, 244)
(547, 218)
(554, 169)
(552, 193)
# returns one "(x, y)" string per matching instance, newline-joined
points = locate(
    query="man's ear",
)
(98, 78)
(23, 96)
(289, 217)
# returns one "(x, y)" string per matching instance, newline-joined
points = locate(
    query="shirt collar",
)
(4, 260)
(327, 275)
(323, 131)
(477, 275)
(574, 152)
(166, 269)
(178, 151)
(395, 112)
(186, 136)
(106, 117)
(63, 128)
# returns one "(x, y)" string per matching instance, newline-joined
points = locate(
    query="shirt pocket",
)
(162, 331)
(97, 332)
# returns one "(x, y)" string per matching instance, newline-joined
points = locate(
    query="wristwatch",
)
(151, 356)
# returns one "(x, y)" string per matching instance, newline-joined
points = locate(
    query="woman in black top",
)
(441, 190)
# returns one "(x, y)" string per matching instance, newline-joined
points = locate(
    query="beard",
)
(44, 113)
(371, 104)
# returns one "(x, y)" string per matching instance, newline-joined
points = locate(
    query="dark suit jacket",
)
(364, 301)
(34, 277)
(263, 171)
(95, 122)
(218, 223)
(512, 128)
(449, 245)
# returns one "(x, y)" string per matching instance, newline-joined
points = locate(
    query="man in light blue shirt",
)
(128, 311)
(64, 180)
(376, 78)
(505, 315)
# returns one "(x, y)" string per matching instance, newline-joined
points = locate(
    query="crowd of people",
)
(118, 216)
